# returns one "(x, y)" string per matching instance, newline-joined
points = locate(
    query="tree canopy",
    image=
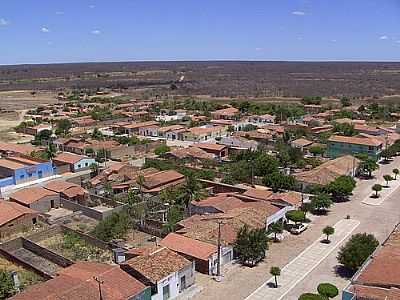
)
(356, 251)
(342, 187)
(296, 216)
(251, 245)
(278, 181)
(321, 202)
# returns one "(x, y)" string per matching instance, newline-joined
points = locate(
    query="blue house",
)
(20, 169)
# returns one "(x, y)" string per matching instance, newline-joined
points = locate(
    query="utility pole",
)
(100, 282)
(219, 252)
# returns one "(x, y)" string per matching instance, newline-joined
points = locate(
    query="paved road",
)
(303, 264)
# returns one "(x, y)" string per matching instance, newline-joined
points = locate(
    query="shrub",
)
(311, 296)
(328, 290)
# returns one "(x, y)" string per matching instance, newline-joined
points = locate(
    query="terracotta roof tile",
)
(188, 246)
(158, 264)
(31, 194)
(10, 211)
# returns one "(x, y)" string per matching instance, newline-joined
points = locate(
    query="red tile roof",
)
(10, 211)
(210, 146)
(188, 246)
(355, 140)
(31, 195)
(77, 283)
(158, 264)
(69, 158)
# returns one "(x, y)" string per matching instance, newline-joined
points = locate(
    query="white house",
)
(165, 271)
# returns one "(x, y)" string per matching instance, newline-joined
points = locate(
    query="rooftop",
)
(355, 140)
(159, 264)
(188, 246)
(11, 210)
(69, 158)
(31, 194)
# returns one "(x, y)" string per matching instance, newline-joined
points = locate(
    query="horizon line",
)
(200, 61)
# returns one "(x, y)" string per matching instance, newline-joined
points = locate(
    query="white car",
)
(297, 228)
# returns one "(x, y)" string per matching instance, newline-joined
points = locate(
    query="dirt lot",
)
(20, 100)
(26, 277)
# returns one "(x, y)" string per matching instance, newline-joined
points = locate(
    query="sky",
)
(52, 31)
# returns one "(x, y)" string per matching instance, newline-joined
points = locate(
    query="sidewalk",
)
(303, 264)
(385, 193)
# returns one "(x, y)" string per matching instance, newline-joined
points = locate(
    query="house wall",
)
(173, 282)
(336, 149)
(63, 168)
(143, 295)
(148, 131)
(83, 164)
(226, 257)
(188, 273)
(44, 204)
(22, 223)
(30, 173)
(7, 181)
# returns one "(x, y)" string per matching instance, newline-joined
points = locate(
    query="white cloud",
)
(298, 13)
(92, 6)
(45, 30)
(384, 37)
(4, 22)
(259, 49)
(96, 31)
(59, 13)
(333, 41)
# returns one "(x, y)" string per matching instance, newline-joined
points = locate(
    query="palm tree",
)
(396, 172)
(275, 271)
(140, 180)
(192, 190)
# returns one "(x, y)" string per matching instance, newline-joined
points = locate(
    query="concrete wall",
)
(90, 212)
(23, 223)
(44, 204)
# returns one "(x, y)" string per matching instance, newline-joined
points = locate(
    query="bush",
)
(328, 290)
(161, 149)
(296, 216)
(311, 296)
(357, 250)
(6, 285)
(251, 245)
(113, 227)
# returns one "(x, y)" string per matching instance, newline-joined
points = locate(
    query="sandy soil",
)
(8, 121)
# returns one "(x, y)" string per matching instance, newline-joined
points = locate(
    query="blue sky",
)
(46, 31)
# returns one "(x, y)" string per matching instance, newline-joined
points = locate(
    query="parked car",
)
(297, 228)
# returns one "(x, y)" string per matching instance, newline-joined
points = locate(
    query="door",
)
(166, 292)
(52, 203)
(183, 284)
(40, 174)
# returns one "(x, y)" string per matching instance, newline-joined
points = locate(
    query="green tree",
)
(96, 134)
(311, 296)
(43, 135)
(328, 230)
(6, 285)
(161, 149)
(278, 181)
(174, 215)
(275, 271)
(356, 251)
(50, 152)
(342, 187)
(395, 172)
(316, 150)
(296, 216)
(192, 189)
(276, 228)
(327, 290)
(63, 126)
(321, 202)
(94, 169)
(368, 166)
(377, 188)
(345, 101)
(251, 245)
(387, 154)
(113, 227)
(387, 178)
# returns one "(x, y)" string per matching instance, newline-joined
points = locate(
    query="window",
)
(22, 176)
(79, 166)
(166, 294)
(86, 164)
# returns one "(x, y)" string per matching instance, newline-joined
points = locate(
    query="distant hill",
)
(215, 78)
